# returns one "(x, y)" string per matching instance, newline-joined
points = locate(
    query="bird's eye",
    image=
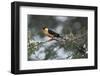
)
(43, 28)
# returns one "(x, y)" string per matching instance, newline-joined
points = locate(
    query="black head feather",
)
(44, 27)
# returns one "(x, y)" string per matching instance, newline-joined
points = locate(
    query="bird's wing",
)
(53, 33)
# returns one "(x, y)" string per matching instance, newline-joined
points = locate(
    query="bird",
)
(50, 33)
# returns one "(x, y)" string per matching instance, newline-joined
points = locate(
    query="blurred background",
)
(74, 29)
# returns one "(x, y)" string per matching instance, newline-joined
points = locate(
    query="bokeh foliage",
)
(75, 29)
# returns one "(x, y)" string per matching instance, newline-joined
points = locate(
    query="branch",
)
(60, 40)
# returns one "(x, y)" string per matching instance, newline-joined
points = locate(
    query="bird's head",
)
(45, 28)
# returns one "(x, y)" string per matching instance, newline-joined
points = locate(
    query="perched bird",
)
(50, 33)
